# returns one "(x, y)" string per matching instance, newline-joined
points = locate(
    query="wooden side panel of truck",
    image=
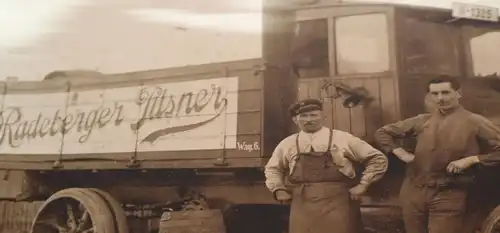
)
(197, 116)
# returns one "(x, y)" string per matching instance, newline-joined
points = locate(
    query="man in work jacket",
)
(324, 197)
(433, 194)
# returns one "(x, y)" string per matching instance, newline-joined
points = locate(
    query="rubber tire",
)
(489, 224)
(120, 223)
(97, 207)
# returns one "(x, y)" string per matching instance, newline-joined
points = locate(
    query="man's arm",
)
(375, 162)
(275, 169)
(488, 133)
(386, 135)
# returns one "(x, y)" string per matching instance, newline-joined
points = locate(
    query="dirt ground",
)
(250, 219)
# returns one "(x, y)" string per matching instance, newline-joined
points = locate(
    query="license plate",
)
(476, 12)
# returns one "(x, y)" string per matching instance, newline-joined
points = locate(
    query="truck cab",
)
(390, 51)
(370, 62)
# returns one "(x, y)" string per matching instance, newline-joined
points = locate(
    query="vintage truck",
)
(183, 149)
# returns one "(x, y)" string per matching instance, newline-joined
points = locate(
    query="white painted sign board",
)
(175, 116)
(475, 12)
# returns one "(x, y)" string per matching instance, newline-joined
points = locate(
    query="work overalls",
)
(321, 201)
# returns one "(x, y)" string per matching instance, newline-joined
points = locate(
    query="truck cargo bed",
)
(196, 116)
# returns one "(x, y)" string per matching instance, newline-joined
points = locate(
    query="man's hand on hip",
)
(458, 166)
(282, 195)
(404, 155)
(357, 191)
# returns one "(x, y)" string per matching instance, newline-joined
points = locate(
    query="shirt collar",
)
(450, 112)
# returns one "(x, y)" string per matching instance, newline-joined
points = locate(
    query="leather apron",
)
(321, 201)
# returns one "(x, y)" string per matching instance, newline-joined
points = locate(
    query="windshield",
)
(360, 45)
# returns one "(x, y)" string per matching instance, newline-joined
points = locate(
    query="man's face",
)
(309, 121)
(444, 96)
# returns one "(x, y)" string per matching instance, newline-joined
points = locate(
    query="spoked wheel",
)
(117, 211)
(492, 222)
(74, 210)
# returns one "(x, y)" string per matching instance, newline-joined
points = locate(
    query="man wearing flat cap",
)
(319, 164)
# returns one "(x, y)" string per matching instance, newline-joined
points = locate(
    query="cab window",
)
(310, 49)
(362, 44)
(484, 57)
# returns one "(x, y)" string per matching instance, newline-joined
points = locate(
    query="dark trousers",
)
(432, 209)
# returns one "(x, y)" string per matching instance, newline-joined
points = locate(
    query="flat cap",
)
(305, 105)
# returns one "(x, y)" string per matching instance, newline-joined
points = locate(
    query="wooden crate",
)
(16, 217)
(202, 221)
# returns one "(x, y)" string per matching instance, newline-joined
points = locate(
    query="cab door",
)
(344, 51)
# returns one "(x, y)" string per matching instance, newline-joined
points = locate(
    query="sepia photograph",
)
(250, 116)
